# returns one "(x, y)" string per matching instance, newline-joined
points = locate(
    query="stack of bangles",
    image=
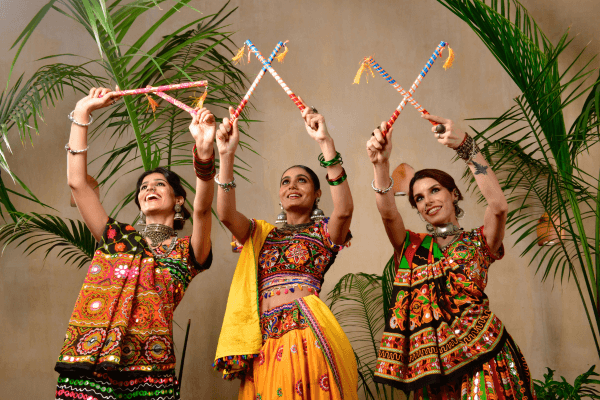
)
(334, 161)
(205, 169)
(468, 149)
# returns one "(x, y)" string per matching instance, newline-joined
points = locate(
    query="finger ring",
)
(440, 128)
(314, 110)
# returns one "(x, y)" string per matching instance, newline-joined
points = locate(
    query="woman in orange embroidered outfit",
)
(277, 335)
(441, 340)
(119, 343)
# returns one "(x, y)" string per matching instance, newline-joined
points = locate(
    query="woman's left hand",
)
(452, 137)
(314, 123)
(203, 129)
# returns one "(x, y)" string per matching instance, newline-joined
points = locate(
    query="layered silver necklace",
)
(444, 231)
(295, 228)
(158, 233)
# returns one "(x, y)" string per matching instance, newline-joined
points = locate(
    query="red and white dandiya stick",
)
(176, 102)
(291, 94)
(162, 88)
(244, 101)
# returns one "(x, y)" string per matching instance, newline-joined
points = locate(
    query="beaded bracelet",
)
(70, 150)
(205, 169)
(383, 191)
(337, 181)
(225, 186)
(73, 120)
(467, 149)
(334, 161)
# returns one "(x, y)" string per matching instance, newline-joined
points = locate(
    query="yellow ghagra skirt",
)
(305, 355)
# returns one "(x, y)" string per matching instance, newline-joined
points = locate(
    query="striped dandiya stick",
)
(176, 102)
(162, 88)
(370, 62)
(266, 64)
(244, 101)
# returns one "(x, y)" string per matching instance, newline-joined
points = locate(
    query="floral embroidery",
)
(297, 254)
(120, 247)
(258, 396)
(121, 271)
(305, 346)
(294, 349)
(299, 388)
(91, 342)
(158, 348)
(279, 354)
(317, 344)
(279, 392)
(129, 228)
(324, 382)
(111, 233)
(261, 358)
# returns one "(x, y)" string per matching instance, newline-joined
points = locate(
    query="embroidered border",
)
(323, 342)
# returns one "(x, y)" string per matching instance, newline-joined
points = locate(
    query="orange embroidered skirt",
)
(305, 355)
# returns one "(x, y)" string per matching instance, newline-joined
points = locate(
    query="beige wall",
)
(327, 41)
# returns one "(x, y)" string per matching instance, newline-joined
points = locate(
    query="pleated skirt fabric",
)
(305, 355)
(505, 377)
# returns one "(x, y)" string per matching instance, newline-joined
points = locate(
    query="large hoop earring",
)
(141, 219)
(317, 213)
(429, 227)
(282, 216)
(460, 213)
(178, 215)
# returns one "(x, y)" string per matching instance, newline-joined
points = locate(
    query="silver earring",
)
(141, 219)
(460, 213)
(429, 227)
(317, 213)
(178, 215)
(282, 216)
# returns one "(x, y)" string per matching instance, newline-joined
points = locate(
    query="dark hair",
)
(442, 177)
(175, 182)
(313, 176)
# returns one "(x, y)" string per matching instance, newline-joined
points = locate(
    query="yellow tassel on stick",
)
(199, 101)
(450, 59)
(364, 66)
(281, 56)
(240, 54)
(151, 103)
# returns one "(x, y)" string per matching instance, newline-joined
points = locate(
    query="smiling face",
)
(434, 202)
(297, 190)
(156, 196)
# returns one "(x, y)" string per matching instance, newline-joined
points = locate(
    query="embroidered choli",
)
(296, 261)
(439, 324)
(123, 317)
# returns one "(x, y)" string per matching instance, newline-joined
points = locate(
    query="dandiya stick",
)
(244, 101)
(162, 88)
(437, 53)
(291, 94)
(176, 102)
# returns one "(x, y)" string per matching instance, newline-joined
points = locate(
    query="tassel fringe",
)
(450, 59)
(281, 56)
(364, 66)
(199, 101)
(240, 54)
(151, 103)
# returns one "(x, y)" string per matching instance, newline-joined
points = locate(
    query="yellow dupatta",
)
(241, 338)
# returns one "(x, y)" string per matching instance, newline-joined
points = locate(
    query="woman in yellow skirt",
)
(277, 335)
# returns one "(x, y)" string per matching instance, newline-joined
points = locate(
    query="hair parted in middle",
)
(311, 173)
(175, 182)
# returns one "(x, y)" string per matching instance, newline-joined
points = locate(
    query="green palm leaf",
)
(71, 239)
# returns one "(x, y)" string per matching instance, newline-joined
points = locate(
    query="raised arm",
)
(203, 128)
(228, 137)
(379, 148)
(343, 206)
(88, 203)
(497, 209)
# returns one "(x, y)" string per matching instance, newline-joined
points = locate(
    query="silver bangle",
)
(68, 148)
(73, 120)
(383, 191)
(225, 186)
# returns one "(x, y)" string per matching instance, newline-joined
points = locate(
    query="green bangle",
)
(340, 179)
(334, 161)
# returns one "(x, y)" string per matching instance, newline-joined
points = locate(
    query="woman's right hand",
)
(379, 147)
(228, 136)
(93, 102)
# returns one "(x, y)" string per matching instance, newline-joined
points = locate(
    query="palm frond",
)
(70, 238)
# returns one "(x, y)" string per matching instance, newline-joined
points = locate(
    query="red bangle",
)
(205, 169)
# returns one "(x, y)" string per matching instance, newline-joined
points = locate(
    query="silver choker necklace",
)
(444, 231)
(296, 227)
(157, 233)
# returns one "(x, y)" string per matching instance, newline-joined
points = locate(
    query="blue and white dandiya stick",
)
(291, 94)
(244, 101)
